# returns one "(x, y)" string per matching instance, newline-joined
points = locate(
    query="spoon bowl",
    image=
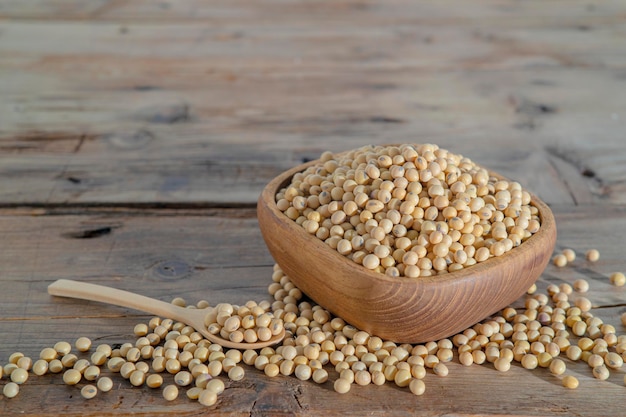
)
(189, 316)
(404, 310)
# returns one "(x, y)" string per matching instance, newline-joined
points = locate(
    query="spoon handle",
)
(102, 294)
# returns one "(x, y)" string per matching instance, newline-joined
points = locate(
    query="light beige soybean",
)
(466, 358)
(573, 352)
(170, 392)
(98, 358)
(15, 356)
(55, 366)
(559, 260)
(105, 384)
(72, 377)
(613, 360)
(215, 385)
(595, 360)
(479, 357)
(19, 376)
(271, 370)
(430, 361)
(579, 328)
(583, 303)
(10, 390)
(234, 354)
(133, 354)
(592, 255)
(570, 382)
(194, 393)
(215, 368)
(91, 373)
(440, 370)
(62, 347)
(320, 376)
(141, 329)
(445, 355)
(378, 378)
(202, 380)
(9, 368)
(154, 380)
(48, 354)
(228, 364)
(207, 398)
(89, 391)
(402, 378)
(40, 367)
(106, 349)
(172, 366)
(81, 365)
(601, 372)
(83, 344)
(137, 378)
(127, 369)
(303, 372)
(362, 377)
(347, 374)
(342, 386)
(287, 367)
(569, 254)
(417, 387)
(618, 279)
(581, 286)
(236, 373)
(502, 364)
(69, 360)
(529, 361)
(158, 364)
(557, 366)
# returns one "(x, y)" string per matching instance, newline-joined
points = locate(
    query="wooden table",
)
(135, 137)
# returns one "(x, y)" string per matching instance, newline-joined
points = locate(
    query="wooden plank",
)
(444, 11)
(166, 110)
(305, 45)
(224, 259)
(547, 126)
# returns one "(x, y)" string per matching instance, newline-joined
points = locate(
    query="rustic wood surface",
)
(136, 136)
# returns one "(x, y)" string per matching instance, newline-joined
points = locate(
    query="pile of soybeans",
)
(418, 211)
(409, 210)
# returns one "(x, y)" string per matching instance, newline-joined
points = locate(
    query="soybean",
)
(170, 392)
(83, 344)
(592, 255)
(342, 386)
(377, 195)
(207, 398)
(105, 384)
(11, 390)
(570, 382)
(89, 391)
(618, 279)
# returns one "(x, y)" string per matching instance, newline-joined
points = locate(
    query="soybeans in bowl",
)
(408, 242)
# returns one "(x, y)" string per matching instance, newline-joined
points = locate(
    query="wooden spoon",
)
(405, 310)
(189, 316)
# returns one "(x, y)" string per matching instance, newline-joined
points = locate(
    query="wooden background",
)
(136, 136)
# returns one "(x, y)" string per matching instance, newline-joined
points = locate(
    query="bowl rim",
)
(547, 227)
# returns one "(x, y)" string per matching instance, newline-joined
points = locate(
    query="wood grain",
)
(136, 137)
(89, 108)
(35, 320)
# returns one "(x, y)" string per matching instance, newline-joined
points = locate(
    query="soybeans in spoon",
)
(210, 322)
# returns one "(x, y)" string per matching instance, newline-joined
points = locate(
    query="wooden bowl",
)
(405, 310)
